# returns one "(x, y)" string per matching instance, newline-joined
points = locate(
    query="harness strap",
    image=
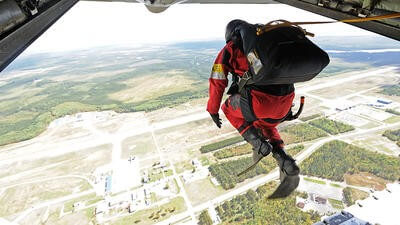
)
(246, 105)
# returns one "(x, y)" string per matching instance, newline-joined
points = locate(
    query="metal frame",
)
(373, 26)
(16, 42)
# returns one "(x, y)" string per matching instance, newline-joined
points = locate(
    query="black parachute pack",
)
(280, 53)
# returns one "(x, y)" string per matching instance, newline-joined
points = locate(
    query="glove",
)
(216, 119)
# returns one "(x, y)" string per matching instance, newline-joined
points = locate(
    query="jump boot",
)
(288, 173)
(261, 147)
(285, 162)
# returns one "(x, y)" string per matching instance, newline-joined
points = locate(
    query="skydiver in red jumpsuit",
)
(271, 101)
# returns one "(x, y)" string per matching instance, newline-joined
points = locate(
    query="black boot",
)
(288, 173)
(261, 147)
(285, 162)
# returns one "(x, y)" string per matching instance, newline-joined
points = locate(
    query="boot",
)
(285, 162)
(261, 147)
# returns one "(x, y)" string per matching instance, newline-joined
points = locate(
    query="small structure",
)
(386, 102)
(300, 205)
(145, 178)
(320, 200)
(342, 218)
(108, 184)
(196, 163)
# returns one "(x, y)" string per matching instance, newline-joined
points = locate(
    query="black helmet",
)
(230, 29)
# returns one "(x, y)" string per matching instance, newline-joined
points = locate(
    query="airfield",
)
(146, 168)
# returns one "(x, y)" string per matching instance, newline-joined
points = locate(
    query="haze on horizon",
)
(94, 24)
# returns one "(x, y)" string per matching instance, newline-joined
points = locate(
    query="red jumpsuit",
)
(274, 104)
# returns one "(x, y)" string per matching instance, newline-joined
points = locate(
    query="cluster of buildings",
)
(342, 218)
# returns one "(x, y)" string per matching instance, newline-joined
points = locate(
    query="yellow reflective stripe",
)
(218, 68)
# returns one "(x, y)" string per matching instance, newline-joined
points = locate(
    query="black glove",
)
(216, 119)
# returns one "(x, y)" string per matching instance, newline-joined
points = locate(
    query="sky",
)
(93, 24)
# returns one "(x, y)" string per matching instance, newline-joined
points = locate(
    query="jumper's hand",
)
(216, 119)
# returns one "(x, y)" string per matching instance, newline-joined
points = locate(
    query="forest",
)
(392, 111)
(393, 135)
(226, 172)
(391, 90)
(204, 218)
(336, 158)
(331, 126)
(302, 132)
(254, 208)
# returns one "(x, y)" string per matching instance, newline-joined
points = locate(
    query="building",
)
(342, 218)
(386, 102)
(196, 163)
(320, 200)
(108, 184)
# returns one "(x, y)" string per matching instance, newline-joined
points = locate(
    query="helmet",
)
(231, 28)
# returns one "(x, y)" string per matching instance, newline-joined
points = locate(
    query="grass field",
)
(153, 215)
(196, 193)
(336, 203)
(351, 195)
(24, 196)
(84, 161)
(314, 180)
(141, 146)
(335, 185)
(366, 180)
(87, 200)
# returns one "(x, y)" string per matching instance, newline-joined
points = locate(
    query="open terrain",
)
(129, 142)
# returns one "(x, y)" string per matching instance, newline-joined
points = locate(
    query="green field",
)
(336, 185)
(221, 144)
(87, 200)
(336, 203)
(314, 180)
(153, 215)
(351, 195)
